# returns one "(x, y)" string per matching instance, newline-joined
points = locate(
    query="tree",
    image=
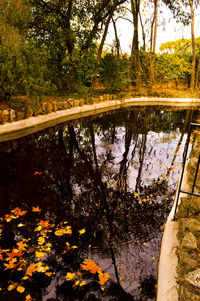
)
(22, 65)
(185, 13)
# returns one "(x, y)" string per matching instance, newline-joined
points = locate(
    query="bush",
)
(114, 72)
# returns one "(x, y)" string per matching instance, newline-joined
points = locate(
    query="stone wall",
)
(23, 112)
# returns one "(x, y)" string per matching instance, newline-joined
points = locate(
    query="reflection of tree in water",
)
(75, 181)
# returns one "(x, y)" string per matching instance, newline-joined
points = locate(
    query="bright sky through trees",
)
(170, 31)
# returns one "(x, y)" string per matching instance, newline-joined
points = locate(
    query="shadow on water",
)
(114, 175)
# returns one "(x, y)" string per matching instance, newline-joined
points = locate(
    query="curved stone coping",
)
(31, 125)
(167, 287)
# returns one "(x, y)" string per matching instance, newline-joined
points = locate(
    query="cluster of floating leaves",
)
(27, 257)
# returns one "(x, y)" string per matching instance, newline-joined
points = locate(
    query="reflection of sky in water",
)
(158, 157)
(123, 230)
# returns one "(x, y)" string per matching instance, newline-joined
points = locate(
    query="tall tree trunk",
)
(101, 45)
(192, 82)
(155, 24)
(154, 27)
(116, 38)
(135, 57)
(197, 73)
(143, 32)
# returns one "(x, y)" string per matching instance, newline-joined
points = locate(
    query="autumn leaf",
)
(20, 289)
(83, 283)
(28, 298)
(37, 173)
(62, 231)
(32, 268)
(20, 225)
(44, 224)
(81, 231)
(90, 266)
(41, 240)
(36, 209)
(103, 278)
(70, 276)
(39, 254)
(10, 266)
(12, 286)
(18, 212)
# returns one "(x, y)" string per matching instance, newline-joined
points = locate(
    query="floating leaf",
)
(91, 266)
(12, 286)
(82, 231)
(20, 225)
(39, 254)
(70, 276)
(41, 240)
(103, 278)
(36, 209)
(37, 173)
(20, 289)
(83, 283)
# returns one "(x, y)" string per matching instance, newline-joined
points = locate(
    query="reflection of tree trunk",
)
(187, 121)
(142, 150)
(122, 178)
(94, 149)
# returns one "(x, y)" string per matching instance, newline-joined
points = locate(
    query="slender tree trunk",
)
(135, 57)
(197, 73)
(154, 27)
(59, 75)
(155, 24)
(192, 82)
(116, 38)
(101, 45)
(143, 32)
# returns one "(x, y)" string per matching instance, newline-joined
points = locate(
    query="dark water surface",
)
(114, 176)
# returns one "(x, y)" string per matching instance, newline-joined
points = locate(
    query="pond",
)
(83, 205)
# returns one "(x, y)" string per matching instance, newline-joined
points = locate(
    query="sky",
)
(172, 31)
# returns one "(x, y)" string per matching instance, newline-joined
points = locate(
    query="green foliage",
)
(172, 66)
(22, 71)
(114, 72)
(180, 46)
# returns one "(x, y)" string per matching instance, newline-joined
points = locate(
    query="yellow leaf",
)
(20, 225)
(25, 278)
(28, 298)
(20, 289)
(144, 244)
(41, 240)
(153, 258)
(39, 254)
(11, 287)
(82, 231)
(70, 276)
(83, 283)
(39, 228)
(74, 247)
(48, 274)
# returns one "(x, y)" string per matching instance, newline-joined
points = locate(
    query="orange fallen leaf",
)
(18, 212)
(44, 224)
(36, 209)
(20, 289)
(37, 173)
(91, 266)
(70, 276)
(103, 278)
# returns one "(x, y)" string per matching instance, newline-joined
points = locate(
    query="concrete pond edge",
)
(17, 129)
(167, 285)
